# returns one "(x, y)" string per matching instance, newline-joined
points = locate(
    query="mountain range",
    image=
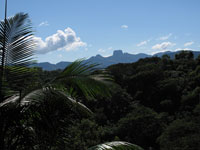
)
(117, 57)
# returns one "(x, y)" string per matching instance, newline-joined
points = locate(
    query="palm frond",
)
(18, 40)
(50, 96)
(85, 78)
(46, 97)
(117, 145)
(10, 101)
(16, 47)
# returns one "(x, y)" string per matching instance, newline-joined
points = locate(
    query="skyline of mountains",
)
(117, 57)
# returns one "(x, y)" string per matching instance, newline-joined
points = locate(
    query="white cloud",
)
(165, 37)
(142, 43)
(188, 44)
(124, 26)
(66, 40)
(160, 51)
(44, 23)
(163, 46)
(101, 50)
(107, 55)
(104, 50)
(177, 49)
(185, 49)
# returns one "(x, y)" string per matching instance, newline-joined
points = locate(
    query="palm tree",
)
(16, 50)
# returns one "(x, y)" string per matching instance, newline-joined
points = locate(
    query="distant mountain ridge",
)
(117, 57)
(49, 67)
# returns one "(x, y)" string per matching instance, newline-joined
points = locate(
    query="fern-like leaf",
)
(117, 145)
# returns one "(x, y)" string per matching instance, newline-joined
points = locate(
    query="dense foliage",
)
(165, 96)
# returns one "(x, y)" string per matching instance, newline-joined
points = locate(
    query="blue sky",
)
(66, 30)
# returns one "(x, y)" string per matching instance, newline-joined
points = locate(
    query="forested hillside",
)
(154, 104)
(165, 96)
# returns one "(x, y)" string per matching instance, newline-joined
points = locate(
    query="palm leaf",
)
(49, 100)
(19, 43)
(85, 78)
(50, 96)
(117, 145)
(10, 101)
(16, 47)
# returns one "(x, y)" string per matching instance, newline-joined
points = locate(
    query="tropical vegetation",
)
(41, 114)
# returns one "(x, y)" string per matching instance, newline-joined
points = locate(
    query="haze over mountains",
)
(117, 57)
